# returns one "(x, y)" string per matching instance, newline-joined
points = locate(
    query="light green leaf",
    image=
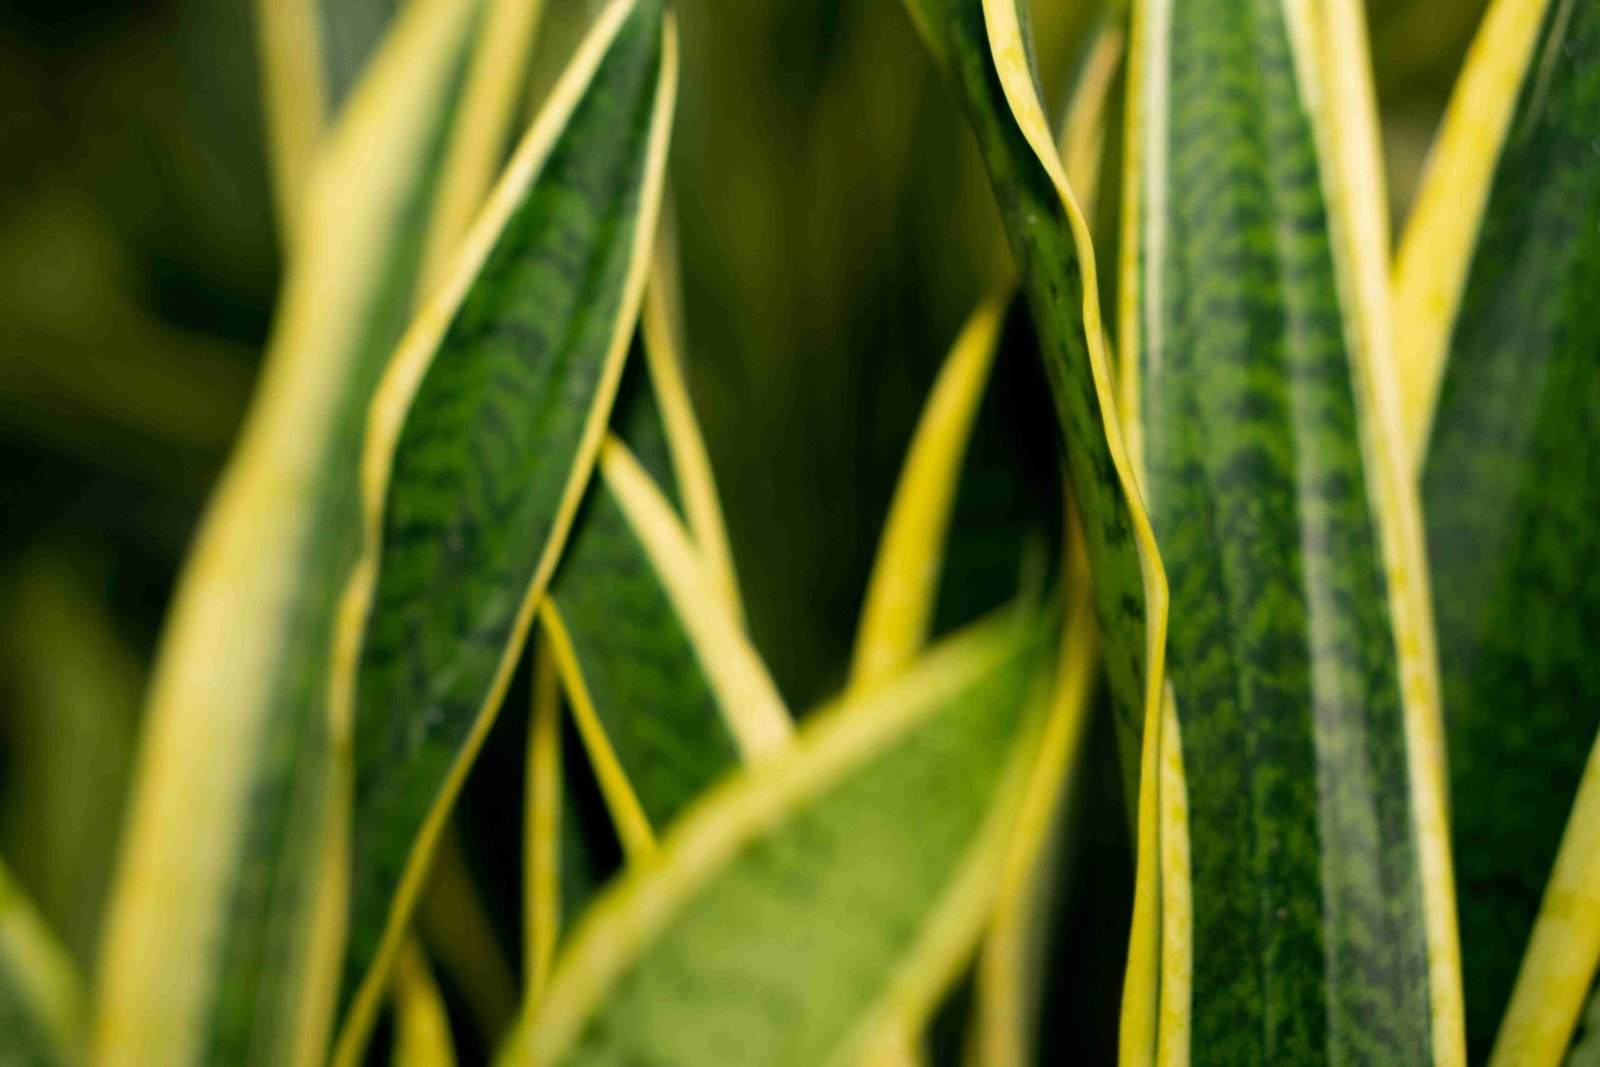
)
(1586, 1052)
(1305, 875)
(41, 995)
(812, 909)
(480, 444)
(1498, 274)
(228, 838)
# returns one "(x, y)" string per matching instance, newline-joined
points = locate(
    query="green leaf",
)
(645, 651)
(41, 995)
(1305, 878)
(229, 837)
(812, 908)
(480, 443)
(1511, 487)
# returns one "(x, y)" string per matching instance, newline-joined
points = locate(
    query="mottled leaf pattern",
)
(479, 445)
(1308, 936)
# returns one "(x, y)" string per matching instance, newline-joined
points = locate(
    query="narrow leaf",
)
(1511, 486)
(480, 442)
(1306, 892)
(228, 835)
(296, 108)
(811, 909)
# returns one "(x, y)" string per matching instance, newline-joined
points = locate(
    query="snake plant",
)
(1302, 517)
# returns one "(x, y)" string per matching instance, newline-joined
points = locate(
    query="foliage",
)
(1222, 687)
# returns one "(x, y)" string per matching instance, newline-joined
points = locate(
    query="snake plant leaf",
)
(1050, 242)
(41, 995)
(1511, 487)
(1305, 874)
(422, 1027)
(644, 646)
(480, 443)
(950, 550)
(227, 840)
(812, 908)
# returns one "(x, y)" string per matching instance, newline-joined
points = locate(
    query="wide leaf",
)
(1305, 876)
(813, 908)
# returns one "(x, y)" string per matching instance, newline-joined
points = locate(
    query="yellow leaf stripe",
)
(1329, 38)
(1436, 248)
(757, 717)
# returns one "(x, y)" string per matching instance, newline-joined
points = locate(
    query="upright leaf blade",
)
(1311, 885)
(227, 838)
(1511, 487)
(480, 443)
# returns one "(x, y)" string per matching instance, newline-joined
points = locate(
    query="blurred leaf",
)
(72, 690)
(1499, 271)
(479, 447)
(817, 905)
(41, 995)
(236, 728)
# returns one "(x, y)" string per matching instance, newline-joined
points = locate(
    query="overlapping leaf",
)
(480, 444)
(228, 838)
(813, 907)
(1496, 280)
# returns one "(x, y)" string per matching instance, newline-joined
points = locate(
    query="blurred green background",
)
(835, 224)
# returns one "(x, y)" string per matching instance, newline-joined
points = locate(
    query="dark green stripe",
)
(1309, 943)
(1511, 491)
(484, 455)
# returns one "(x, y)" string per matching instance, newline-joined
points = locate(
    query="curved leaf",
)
(1306, 878)
(984, 52)
(41, 995)
(480, 442)
(227, 837)
(1511, 487)
(811, 909)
